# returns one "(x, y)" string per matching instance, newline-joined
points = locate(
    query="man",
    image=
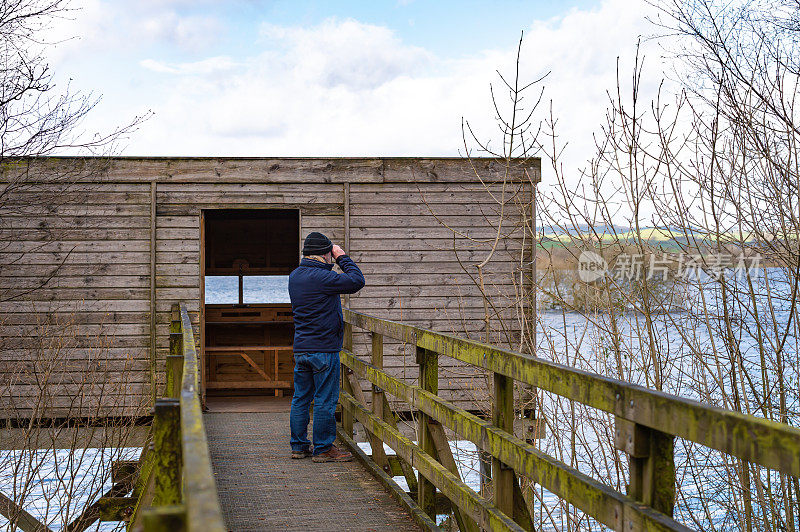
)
(314, 289)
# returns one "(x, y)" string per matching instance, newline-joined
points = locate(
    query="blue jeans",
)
(316, 377)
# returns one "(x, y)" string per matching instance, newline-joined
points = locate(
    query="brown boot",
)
(333, 455)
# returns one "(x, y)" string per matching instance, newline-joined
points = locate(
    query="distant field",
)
(563, 253)
(663, 238)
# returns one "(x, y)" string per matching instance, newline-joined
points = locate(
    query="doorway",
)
(247, 317)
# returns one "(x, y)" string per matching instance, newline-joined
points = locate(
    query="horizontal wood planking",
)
(178, 233)
(179, 246)
(177, 257)
(487, 212)
(101, 402)
(90, 258)
(122, 210)
(166, 209)
(128, 408)
(458, 196)
(84, 329)
(178, 294)
(403, 266)
(465, 233)
(177, 281)
(273, 195)
(481, 248)
(71, 305)
(79, 342)
(82, 294)
(75, 246)
(91, 185)
(399, 219)
(87, 389)
(78, 359)
(178, 222)
(76, 270)
(218, 191)
(456, 169)
(448, 281)
(47, 234)
(422, 303)
(465, 293)
(472, 256)
(86, 194)
(77, 380)
(284, 170)
(65, 281)
(76, 222)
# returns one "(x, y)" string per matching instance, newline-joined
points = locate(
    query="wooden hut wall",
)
(75, 314)
(143, 214)
(418, 244)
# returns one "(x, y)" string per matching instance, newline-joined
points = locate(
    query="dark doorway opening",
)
(248, 328)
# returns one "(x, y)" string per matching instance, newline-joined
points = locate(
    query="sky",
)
(320, 78)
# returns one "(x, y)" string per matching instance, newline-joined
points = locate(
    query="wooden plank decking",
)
(261, 488)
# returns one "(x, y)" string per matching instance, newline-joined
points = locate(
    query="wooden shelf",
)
(217, 385)
(249, 322)
(263, 356)
(239, 348)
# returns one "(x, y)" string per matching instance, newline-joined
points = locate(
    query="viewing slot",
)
(247, 314)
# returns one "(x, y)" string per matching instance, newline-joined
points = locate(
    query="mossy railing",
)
(647, 423)
(175, 488)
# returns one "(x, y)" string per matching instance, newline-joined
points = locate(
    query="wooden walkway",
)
(261, 488)
(230, 469)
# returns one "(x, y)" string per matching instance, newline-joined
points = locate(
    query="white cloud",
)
(188, 32)
(206, 67)
(98, 26)
(348, 88)
(345, 53)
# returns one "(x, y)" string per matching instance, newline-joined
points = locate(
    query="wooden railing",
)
(175, 488)
(647, 422)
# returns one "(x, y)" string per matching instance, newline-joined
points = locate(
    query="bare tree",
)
(63, 390)
(690, 202)
(698, 187)
(39, 118)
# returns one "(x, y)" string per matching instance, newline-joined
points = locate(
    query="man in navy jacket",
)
(314, 289)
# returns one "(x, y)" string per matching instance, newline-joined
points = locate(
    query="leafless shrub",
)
(701, 185)
(70, 393)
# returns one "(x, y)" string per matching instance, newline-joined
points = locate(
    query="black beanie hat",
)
(317, 244)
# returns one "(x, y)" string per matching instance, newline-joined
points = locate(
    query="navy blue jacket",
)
(314, 290)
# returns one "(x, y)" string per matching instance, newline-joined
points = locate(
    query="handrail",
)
(584, 492)
(176, 488)
(199, 489)
(762, 441)
(646, 420)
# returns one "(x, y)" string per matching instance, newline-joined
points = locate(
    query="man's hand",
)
(337, 252)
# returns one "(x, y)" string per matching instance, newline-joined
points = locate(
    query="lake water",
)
(255, 289)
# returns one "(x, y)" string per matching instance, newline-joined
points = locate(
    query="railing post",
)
(408, 471)
(165, 519)
(175, 357)
(174, 375)
(347, 416)
(428, 380)
(503, 477)
(378, 398)
(485, 470)
(651, 462)
(167, 448)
